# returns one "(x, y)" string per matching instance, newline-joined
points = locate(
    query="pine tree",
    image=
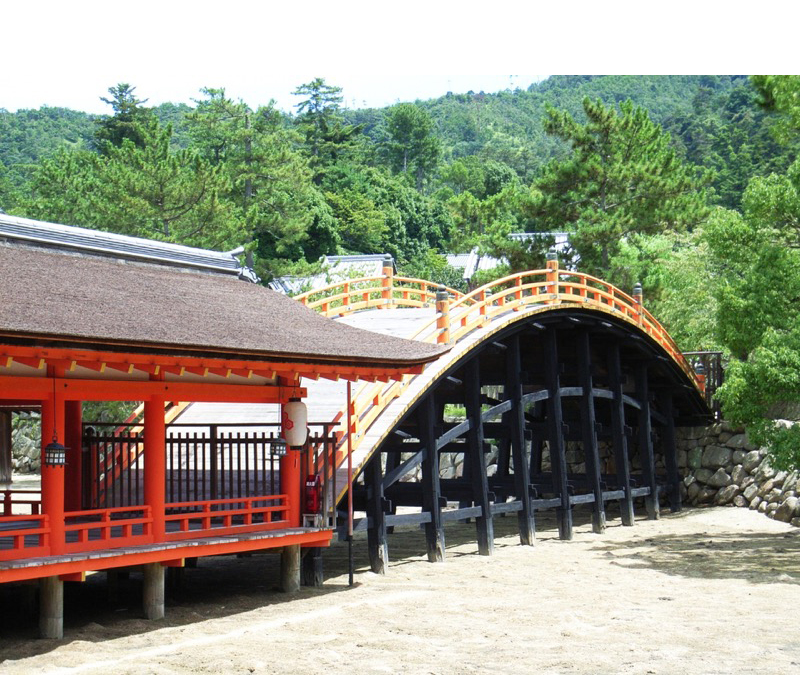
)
(622, 179)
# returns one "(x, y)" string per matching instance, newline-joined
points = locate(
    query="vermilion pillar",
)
(53, 476)
(73, 432)
(155, 463)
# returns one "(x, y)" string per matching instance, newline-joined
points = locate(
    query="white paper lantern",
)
(295, 423)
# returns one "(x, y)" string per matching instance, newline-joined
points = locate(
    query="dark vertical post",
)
(312, 567)
(646, 442)
(618, 434)
(477, 461)
(591, 451)
(555, 430)
(431, 490)
(513, 388)
(5, 448)
(669, 448)
(376, 533)
(213, 451)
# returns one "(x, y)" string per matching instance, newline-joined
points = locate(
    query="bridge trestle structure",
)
(561, 392)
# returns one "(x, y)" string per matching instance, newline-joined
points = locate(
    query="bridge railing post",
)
(387, 282)
(552, 273)
(481, 298)
(638, 298)
(700, 371)
(443, 315)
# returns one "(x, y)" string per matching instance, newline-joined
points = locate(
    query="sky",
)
(68, 54)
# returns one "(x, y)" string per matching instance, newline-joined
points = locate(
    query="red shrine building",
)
(93, 316)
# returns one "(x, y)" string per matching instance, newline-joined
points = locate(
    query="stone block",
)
(719, 479)
(726, 495)
(706, 495)
(737, 442)
(765, 488)
(738, 456)
(774, 496)
(703, 475)
(696, 458)
(715, 456)
(786, 511)
(750, 492)
(738, 474)
(751, 461)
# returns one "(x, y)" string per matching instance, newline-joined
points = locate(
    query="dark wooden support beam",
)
(376, 533)
(646, 442)
(312, 567)
(504, 453)
(618, 435)
(591, 451)
(476, 458)
(537, 438)
(431, 490)
(516, 422)
(392, 462)
(558, 457)
(5, 448)
(669, 449)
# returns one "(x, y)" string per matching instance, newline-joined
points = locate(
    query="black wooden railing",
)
(204, 462)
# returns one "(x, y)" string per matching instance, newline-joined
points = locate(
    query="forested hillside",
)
(689, 185)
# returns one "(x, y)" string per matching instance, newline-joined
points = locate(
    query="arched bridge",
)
(558, 390)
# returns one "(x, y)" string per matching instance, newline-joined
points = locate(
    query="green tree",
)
(412, 149)
(756, 257)
(781, 93)
(129, 121)
(327, 137)
(621, 179)
(269, 180)
(149, 191)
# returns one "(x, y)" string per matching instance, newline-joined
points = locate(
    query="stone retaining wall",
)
(722, 467)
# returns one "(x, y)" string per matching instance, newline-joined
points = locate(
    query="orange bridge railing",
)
(459, 314)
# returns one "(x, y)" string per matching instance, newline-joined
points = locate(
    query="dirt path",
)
(704, 591)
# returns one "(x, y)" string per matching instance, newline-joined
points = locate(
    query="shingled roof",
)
(57, 298)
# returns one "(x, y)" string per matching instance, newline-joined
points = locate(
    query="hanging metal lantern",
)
(55, 454)
(294, 419)
(277, 446)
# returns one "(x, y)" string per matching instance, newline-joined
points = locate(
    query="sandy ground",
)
(703, 591)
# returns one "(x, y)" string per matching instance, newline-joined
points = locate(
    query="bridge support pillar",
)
(669, 450)
(589, 434)
(51, 608)
(154, 578)
(555, 430)
(619, 436)
(477, 461)
(290, 568)
(522, 483)
(312, 567)
(431, 489)
(376, 534)
(646, 443)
